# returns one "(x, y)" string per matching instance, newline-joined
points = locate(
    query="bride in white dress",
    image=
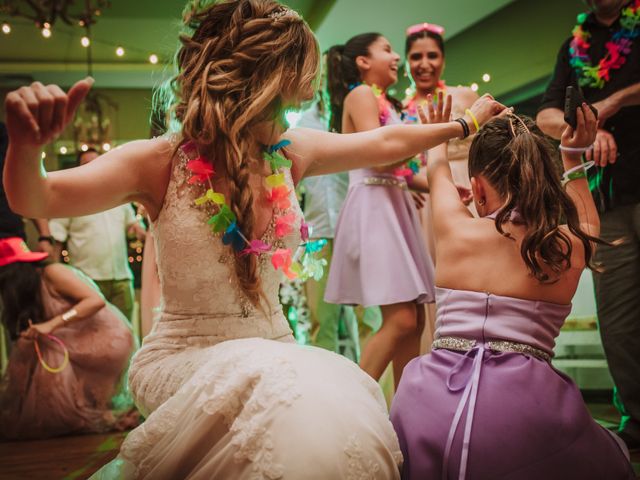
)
(226, 391)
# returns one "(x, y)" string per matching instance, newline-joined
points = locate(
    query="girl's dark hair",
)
(423, 34)
(21, 296)
(343, 74)
(521, 164)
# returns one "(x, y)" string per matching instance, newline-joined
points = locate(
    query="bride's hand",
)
(37, 114)
(438, 111)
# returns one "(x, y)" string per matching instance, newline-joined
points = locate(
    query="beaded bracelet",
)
(577, 172)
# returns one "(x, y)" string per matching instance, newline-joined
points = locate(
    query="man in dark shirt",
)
(615, 183)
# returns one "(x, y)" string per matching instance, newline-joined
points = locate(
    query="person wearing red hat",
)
(65, 341)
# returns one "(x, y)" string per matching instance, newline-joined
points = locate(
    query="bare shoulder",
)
(359, 96)
(463, 232)
(69, 282)
(154, 152)
(56, 274)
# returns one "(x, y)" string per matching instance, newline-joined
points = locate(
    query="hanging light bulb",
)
(63, 150)
(85, 42)
(120, 51)
(486, 77)
(474, 87)
(153, 58)
(46, 32)
(84, 147)
(6, 28)
(106, 147)
(44, 155)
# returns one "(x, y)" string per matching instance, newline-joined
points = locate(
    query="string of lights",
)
(85, 40)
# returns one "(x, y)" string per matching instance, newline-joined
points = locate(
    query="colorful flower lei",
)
(619, 46)
(412, 167)
(303, 264)
(410, 115)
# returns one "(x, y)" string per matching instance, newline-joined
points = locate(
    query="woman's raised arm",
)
(35, 116)
(319, 153)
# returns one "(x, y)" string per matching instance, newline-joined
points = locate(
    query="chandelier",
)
(45, 13)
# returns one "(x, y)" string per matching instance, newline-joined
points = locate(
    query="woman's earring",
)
(482, 201)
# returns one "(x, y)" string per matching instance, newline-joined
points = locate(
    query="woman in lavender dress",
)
(486, 403)
(379, 257)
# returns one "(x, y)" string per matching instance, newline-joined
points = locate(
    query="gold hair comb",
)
(283, 12)
(513, 127)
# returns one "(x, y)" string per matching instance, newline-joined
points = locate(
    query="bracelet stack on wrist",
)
(577, 172)
(47, 238)
(465, 127)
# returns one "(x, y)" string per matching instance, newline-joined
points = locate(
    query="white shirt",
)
(324, 194)
(97, 244)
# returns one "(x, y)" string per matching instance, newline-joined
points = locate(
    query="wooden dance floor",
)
(75, 458)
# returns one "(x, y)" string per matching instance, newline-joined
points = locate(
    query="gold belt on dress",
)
(386, 182)
(464, 345)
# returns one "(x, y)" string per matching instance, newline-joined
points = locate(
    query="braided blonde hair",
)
(243, 61)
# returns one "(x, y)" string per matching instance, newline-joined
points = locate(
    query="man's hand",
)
(605, 149)
(47, 247)
(137, 231)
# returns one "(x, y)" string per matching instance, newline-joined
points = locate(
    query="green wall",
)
(516, 45)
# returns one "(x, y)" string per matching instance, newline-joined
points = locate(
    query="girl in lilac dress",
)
(69, 351)
(380, 257)
(486, 403)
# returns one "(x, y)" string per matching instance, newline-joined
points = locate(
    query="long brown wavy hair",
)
(240, 63)
(521, 164)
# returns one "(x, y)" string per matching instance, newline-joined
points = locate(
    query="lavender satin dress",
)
(483, 414)
(379, 256)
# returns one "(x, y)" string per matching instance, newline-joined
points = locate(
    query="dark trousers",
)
(618, 298)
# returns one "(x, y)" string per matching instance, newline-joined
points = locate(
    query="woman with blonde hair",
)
(226, 391)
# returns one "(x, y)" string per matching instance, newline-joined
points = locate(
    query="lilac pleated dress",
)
(485, 414)
(380, 256)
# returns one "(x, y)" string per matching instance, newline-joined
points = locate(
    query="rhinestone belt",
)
(386, 182)
(464, 345)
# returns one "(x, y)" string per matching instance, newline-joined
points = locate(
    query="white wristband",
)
(575, 150)
(66, 316)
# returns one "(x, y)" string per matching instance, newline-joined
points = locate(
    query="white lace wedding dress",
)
(227, 392)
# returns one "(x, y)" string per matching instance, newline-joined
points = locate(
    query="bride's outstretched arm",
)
(319, 153)
(35, 116)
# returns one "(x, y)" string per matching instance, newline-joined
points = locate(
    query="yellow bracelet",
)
(473, 118)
